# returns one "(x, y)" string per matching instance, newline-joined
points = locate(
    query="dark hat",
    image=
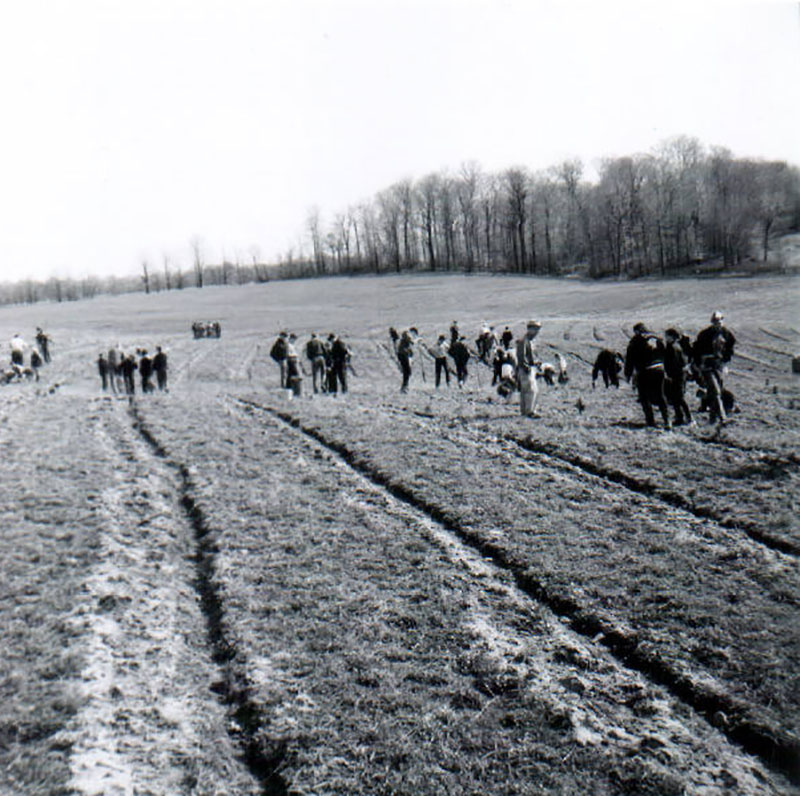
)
(672, 333)
(640, 328)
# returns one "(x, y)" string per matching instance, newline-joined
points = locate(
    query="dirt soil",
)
(222, 589)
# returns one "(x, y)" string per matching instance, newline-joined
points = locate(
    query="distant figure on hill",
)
(405, 353)
(394, 337)
(102, 369)
(43, 341)
(644, 360)
(712, 350)
(609, 365)
(507, 338)
(278, 352)
(527, 369)
(160, 368)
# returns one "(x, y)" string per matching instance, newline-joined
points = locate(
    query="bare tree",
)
(197, 258)
(146, 276)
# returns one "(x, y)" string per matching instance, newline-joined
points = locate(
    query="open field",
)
(220, 590)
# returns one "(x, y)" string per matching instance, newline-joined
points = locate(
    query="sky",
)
(130, 129)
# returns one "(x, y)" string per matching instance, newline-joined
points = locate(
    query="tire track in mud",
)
(246, 719)
(150, 722)
(550, 454)
(779, 749)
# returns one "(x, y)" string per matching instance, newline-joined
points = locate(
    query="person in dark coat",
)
(146, 372)
(160, 368)
(279, 352)
(608, 365)
(644, 359)
(315, 352)
(102, 369)
(43, 341)
(128, 368)
(340, 358)
(676, 367)
(36, 363)
(454, 333)
(405, 353)
(394, 337)
(460, 355)
(497, 365)
(712, 351)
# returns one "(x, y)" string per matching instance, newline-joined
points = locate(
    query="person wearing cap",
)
(676, 366)
(527, 368)
(644, 358)
(712, 351)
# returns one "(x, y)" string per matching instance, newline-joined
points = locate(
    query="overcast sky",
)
(129, 128)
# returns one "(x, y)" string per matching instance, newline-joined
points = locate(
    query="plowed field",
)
(222, 589)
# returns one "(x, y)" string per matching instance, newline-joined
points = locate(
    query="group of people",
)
(329, 360)
(661, 367)
(117, 370)
(206, 329)
(26, 359)
(514, 363)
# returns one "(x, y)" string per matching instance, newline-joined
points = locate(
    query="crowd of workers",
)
(117, 370)
(26, 359)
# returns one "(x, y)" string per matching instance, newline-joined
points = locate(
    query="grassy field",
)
(221, 589)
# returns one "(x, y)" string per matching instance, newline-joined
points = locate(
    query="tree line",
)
(660, 213)
(656, 213)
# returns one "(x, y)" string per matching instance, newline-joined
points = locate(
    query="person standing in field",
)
(146, 372)
(507, 338)
(160, 368)
(294, 368)
(439, 353)
(644, 359)
(36, 363)
(43, 341)
(676, 366)
(340, 358)
(527, 368)
(712, 350)
(315, 351)
(405, 353)
(460, 355)
(102, 369)
(128, 366)
(278, 353)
